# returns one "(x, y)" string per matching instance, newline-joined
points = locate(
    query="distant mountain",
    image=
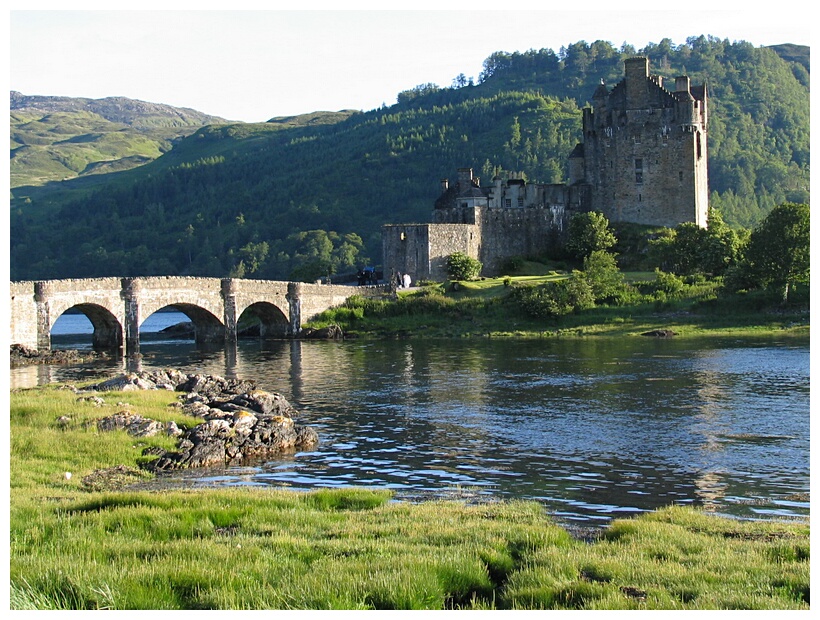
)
(297, 196)
(57, 138)
(131, 112)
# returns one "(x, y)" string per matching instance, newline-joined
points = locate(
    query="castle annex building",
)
(643, 159)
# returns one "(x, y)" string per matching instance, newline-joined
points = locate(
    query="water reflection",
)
(594, 429)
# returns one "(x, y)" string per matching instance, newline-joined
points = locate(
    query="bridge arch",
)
(272, 322)
(207, 327)
(108, 330)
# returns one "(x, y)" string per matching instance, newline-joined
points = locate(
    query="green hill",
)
(307, 194)
(58, 138)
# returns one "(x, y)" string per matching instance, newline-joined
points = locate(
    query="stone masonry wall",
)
(517, 232)
(23, 326)
(405, 249)
(446, 239)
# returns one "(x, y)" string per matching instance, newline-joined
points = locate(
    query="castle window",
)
(520, 201)
(639, 171)
(508, 203)
(463, 205)
(637, 138)
(680, 177)
(403, 237)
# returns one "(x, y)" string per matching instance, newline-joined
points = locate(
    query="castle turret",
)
(644, 150)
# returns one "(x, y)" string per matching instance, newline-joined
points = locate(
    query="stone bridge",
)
(117, 307)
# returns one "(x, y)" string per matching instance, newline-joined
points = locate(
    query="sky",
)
(250, 65)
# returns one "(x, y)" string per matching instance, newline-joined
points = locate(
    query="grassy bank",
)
(252, 548)
(487, 308)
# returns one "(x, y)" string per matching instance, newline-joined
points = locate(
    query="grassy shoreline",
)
(77, 547)
(484, 309)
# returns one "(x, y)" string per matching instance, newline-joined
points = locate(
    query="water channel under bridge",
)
(117, 306)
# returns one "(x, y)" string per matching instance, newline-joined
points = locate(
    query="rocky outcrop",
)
(136, 425)
(241, 421)
(173, 380)
(20, 355)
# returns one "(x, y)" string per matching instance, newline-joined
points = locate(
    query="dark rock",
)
(20, 355)
(185, 329)
(331, 332)
(211, 385)
(660, 333)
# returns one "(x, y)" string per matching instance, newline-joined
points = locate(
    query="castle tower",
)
(644, 150)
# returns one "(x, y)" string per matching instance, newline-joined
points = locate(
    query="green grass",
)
(483, 308)
(255, 548)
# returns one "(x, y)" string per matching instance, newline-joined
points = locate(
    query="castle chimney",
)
(637, 74)
(682, 86)
(636, 68)
(465, 179)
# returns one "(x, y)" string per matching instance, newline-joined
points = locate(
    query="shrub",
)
(556, 298)
(669, 283)
(602, 273)
(462, 267)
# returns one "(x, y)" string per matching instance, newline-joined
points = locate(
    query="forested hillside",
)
(307, 195)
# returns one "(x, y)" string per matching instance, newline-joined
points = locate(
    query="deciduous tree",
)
(778, 252)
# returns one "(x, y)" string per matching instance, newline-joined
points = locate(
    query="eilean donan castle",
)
(643, 159)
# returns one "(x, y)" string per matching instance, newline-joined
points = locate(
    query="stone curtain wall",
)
(499, 234)
(528, 232)
(446, 239)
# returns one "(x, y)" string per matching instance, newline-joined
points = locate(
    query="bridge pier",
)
(294, 297)
(41, 298)
(229, 302)
(131, 288)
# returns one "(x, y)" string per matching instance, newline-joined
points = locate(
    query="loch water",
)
(595, 429)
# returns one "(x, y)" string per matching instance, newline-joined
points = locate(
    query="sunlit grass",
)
(483, 308)
(257, 548)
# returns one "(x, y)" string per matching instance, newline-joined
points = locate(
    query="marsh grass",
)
(252, 548)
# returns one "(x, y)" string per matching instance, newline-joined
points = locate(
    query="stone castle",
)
(642, 160)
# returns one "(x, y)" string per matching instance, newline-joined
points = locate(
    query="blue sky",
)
(251, 65)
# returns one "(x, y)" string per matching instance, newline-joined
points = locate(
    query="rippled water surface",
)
(593, 429)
